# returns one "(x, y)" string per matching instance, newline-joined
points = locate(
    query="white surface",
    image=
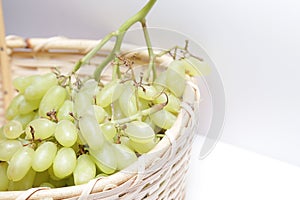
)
(255, 44)
(232, 173)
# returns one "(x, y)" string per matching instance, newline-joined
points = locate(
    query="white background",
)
(254, 43)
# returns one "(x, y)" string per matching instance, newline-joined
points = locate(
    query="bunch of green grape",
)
(60, 132)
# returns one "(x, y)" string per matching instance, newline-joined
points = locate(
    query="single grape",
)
(104, 158)
(139, 131)
(128, 101)
(91, 132)
(163, 119)
(109, 131)
(195, 67)
(8, 148)
(64, 162)
(46, 184)
(52, 175)
(25, 119)
(124, 155)
(2, 136)
(22, 82)
(66, 133)
(27, 106)
(142, 148)
(58, 183)
(43, 156)
(52, 100)
(85, 98)
(175, 78)
(82, 104)
(126, 141)
(25, 183)
(20, 163)
(160, 81)
(41, 177)
(90, 87)
(85, 170)
(116, 111)
(3, 174)
(12, 129)
(109, 93)
(100, 113)
(39, 86)
(70, 180)
(173, 104)
(65, 110)
(42, 128)
(147, 92)
(13, 108)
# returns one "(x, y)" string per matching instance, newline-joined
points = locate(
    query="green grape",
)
(116, 111)
(25, 119)
(22, 82)
(64, 162)
(52, 100)
(147, 92)
(8, 148)
(90, 87)
(52, 175)
(128, 101)
(142, 148)
(2, 136)
(13, 108)
(66, 133)
(91, 132)
(27, 106)
(43, 128)
(126, 141)
(175, 78)
(139, 131)
(43, 156)
(163, 119)
(85, 170)
(174, 104)
(160, 81)
(39, 86)
(104, 158)
(109, 93)
(124, 155)
(58, 183)
(41, 177)
(3, 174)
(101, 175)
(82, 104)
(20, 163)
(85, 98)
(109, 131)
(70, 180)
(65, 110)
(100, 113)
(12, 129)
(144, 104)
(23, 184)
(195, 67)
(46, 184)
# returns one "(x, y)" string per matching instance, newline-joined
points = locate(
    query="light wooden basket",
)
(159, 174)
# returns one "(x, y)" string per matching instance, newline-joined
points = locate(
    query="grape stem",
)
(119, 35)
(145, 112)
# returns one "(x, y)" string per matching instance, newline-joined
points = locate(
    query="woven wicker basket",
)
(159, 174)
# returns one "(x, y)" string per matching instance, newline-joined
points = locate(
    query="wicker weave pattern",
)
(160, 174)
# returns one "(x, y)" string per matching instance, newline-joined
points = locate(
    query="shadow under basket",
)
(159, 174)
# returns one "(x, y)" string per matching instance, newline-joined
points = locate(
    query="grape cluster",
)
(61, 132)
